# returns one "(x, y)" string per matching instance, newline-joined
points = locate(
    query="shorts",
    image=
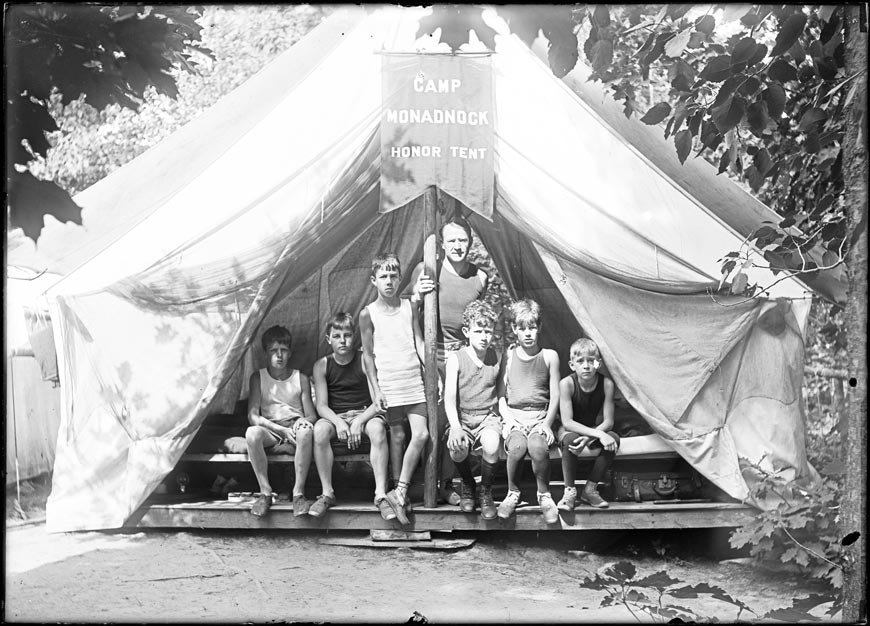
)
(287, 446)
(475, 424)
(398, 415)
(348, 416)
(529, 420)
(566, 438)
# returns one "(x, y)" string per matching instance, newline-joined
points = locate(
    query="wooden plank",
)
(620, 516)
(217, 457)
(400, 535)
(364, 542)
(430, 334)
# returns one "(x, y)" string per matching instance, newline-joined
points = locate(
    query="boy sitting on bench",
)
(583, 396)
(281, 414)
(345, 406)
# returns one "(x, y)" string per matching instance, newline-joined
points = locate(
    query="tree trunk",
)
(852, 513)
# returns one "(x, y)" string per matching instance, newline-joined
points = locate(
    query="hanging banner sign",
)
(437, 128)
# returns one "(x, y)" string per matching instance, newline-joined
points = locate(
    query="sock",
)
(402, 489)
(487, 469)
(464, 467)
(570, 489)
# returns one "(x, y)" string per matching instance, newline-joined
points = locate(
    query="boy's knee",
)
(323, 431)
(254, 434)
(376, 432)
(516, 446)
(568, 439)
(421, 437)
(538, 448)
(304, 431)
(458, 456)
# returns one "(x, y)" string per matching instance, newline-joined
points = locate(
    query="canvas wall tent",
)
(265, 210)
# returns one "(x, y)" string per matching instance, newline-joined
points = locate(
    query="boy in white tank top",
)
(393, 353)
(281, 414)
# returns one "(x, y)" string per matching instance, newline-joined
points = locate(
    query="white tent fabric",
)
(279, 223)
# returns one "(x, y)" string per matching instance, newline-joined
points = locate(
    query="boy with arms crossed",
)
(584, 395)
(346, 410)
(393, 353)
(281, 414)
(528, 402)
(471, 383)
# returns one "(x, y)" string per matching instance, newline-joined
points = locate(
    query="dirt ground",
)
(198, 576)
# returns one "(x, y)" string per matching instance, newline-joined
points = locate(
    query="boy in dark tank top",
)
(584, 396)
(344, 403)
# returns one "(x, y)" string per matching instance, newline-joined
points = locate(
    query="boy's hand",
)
(342, 431)
(546, 432)
(456, 440)
(287, 435)
(380, 401)
(607, 442)
(578, 446)
(355, 436)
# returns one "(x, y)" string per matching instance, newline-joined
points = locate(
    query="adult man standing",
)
(459, 282)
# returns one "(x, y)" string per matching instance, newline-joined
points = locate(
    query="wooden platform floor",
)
(361, 515)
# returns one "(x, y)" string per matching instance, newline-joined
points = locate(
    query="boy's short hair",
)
(385, 261)
(458, 220)
(584, 347)
(525, 311)
(276, 334)
(481, 312)
(341, 321)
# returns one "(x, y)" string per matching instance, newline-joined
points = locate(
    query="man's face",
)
(455, 243)
(340, 340)
(278, 355)
(479, 335)
(386, 281)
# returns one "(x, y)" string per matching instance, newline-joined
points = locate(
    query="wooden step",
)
(361, 515)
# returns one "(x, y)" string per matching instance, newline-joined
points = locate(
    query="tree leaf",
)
(733, 12)
(717, 69)
(774, 96)
(729, 114)
(602, 55)
(782, 71)
(743, 50)
(601, 15)
(705, 24)
(724, 161)
(656, 114)
(811, 117)
(683, 141)
(738, 285)
(789, 32)
(622, 571)
(29, 199)
(659, 580)
(756, 116)
(762, 161)
(758, 55)
(675, 46)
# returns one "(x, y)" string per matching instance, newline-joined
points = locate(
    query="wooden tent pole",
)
(430, 333)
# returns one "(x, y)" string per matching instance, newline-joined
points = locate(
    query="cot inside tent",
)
(278, 224)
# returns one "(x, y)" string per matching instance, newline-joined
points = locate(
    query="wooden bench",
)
(643, 447)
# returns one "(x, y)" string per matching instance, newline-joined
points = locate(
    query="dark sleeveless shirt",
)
(477, 385)
(454, 294)
(587, 405)
(347, 385)
(528, 382)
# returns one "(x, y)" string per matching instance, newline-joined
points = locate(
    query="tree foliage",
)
(759, 90)
(91, 143)
(108, 55)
